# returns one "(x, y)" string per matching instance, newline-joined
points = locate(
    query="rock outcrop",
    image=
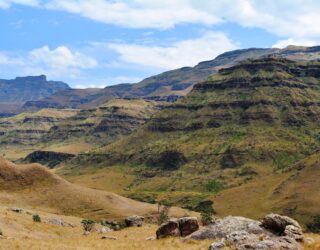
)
(243, 233)
(134, 221)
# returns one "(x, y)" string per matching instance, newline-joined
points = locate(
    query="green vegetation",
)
(214, 186)
(88, 225)
(36, 218)
(314, 226)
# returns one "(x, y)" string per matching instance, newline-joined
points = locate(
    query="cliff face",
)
(30, 88)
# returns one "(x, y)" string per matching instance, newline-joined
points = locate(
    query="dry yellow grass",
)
(34, 186)
(23, 233)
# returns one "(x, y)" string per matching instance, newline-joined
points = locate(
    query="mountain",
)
(14, 93)
(252, 121)
(73, 130)
(171, 85)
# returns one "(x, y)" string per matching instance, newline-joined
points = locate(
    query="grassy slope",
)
(240, 135)
(34, 186)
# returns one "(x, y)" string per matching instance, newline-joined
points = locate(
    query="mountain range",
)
(242, 130)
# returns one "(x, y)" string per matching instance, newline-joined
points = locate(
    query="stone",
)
(17, 210)
(56, 221)
(104, 230)
(108, 238)
(134, 221)
(277, 223)
(188, 225)
(217, 245)
(309, 241)
(170, 228)
(294, 232)
(151, 238)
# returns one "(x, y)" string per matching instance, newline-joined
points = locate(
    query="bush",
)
(207, 217)
(163, 214)
(314, 226)
(214, 186)
(88, 225)
(36, 218)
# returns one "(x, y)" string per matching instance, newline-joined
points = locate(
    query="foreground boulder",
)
(188, 225)
(283, 225)
(169, 228)
(134, 221)
(178, 227)
(242, 234)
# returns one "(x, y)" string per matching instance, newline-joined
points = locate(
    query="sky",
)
(97, 43)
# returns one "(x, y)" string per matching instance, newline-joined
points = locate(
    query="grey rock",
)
(134, 220)
(217, 245)
(222, 227)
(104, 230)
(188, 225)
(170, 228)
(278, 223)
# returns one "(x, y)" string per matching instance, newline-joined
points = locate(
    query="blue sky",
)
(95, 43)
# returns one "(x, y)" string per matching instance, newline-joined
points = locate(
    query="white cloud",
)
(293, 41)
(183, 53)
(57, 62)
(136, 13)
(8, 3)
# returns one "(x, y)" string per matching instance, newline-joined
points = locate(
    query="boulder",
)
(222, 227)
(134, 220)
(278, 223)
(170, 228)
(188, 225)
(242, 234)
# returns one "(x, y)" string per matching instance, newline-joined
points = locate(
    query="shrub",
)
(207, 217)
(163, 214)
(88, 225)
(314, 226)
(214, 186)
(36, 218)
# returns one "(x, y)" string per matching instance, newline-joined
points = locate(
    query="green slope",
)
(249, 121)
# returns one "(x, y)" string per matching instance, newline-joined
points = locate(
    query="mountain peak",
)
(40, 78)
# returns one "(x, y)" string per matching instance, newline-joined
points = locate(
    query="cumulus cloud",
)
(183, 53)
(136, 13)
(57, 62)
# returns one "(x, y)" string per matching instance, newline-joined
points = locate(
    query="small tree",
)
(88, 225)
(36, 218)
(163, 213)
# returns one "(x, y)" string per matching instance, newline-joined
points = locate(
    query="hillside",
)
(22, 89)
(247, 122)
(72, 130)
(171, 85)
(33, 186)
